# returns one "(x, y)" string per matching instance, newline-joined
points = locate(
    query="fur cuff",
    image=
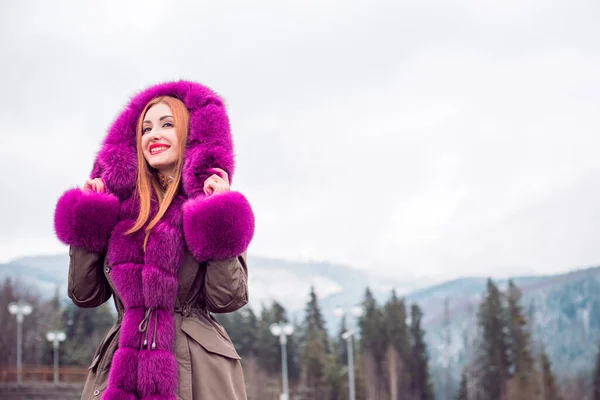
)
(86, 219)
(218, 227)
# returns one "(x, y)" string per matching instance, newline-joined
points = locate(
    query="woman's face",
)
(159, 139)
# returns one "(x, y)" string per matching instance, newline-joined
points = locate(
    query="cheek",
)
(144, 144)
(174, 142)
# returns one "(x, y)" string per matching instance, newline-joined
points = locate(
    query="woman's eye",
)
(167, 125)
(146, 130)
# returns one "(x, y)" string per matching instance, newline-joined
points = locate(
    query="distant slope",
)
(564, 309)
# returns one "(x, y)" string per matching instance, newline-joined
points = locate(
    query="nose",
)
(155, 134)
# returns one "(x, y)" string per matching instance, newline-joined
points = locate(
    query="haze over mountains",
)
(564, 309)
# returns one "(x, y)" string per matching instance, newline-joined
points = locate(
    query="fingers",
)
(220, 173)
(101, 187)
(214, 185)
(217, 183)
(95, 185)
(209, 188)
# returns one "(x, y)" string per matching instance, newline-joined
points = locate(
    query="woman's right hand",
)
(95, 185)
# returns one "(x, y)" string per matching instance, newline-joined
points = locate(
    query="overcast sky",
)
(418, 139)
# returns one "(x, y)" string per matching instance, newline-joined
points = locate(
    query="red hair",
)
(146, 177)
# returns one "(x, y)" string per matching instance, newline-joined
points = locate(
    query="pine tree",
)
(8, 323)
(314, 351)
(420, 385)
(336, 375)
(373, 343)
(550, 390)
(492, 354)
(396, 327)
(83, 326)
(267, 346)
(596, 394)
(249, 336)
(359, 376)
(523, 383)
(398, 339)
(372, 328)
(518, 334)
(342, 348)
(463, 392)
(242, 327)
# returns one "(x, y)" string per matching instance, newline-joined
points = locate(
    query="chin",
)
(162, 165)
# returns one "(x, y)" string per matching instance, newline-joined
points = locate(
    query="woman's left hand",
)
(217, 183)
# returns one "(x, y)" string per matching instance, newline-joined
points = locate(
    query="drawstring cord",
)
(143, 328)
(155, 325)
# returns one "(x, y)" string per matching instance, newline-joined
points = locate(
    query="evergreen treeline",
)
(84, 327)
(390, 355)
(505, 365)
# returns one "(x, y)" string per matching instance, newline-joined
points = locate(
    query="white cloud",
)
(420, 139)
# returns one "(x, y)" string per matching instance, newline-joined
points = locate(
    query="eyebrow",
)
(161, 118)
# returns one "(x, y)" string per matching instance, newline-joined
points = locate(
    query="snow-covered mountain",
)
(564, 309)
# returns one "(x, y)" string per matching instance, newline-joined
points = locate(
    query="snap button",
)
(96, 392)
(107, 270)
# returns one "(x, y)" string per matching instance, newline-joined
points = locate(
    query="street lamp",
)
(348, 335)
(56, 337)
(283, 330)
(20, 309)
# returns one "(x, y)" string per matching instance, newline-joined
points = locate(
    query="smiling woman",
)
(161, 135)
(164, 133)
(158, 229)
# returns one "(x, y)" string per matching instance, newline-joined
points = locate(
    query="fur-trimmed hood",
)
(209, 143)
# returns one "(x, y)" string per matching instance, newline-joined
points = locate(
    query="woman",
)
(157, 227)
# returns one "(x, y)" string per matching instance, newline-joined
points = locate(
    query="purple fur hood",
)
(211, 228)
(224, 232)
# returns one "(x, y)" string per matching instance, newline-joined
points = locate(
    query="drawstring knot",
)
(144, 325)
(187, 310)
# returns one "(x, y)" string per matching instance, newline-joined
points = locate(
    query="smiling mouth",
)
(158, 149)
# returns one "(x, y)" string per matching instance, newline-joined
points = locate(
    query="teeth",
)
(157, 149)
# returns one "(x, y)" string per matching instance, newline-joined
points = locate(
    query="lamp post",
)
(283, 330)
(56, 337)
(348, 336)
(20, 309)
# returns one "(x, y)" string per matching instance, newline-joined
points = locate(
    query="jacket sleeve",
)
(226, 284)
(87, 285)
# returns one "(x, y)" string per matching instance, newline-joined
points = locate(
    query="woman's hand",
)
(95, 185)
(217, 183)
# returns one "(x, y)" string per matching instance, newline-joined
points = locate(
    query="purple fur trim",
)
(218, 227)
(209, 133)
(124, 369)
(130, 335)
(160, 288)
(124, 248)
(128, 281)
(209, 145)
(160, 397)
(118, 394)
(157, 373)
(166, 247)
(85, 219)
(130, 209)
(165, 332)
(120, 181)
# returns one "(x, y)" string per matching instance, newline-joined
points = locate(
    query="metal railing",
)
(43, 373)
